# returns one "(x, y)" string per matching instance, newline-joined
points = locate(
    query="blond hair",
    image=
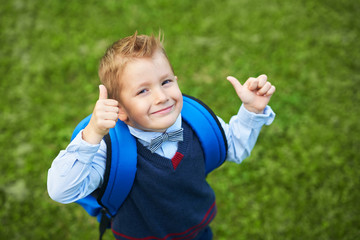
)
(116, 57)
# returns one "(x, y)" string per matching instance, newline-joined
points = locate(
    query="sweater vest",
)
(121, 163)
(170, 198)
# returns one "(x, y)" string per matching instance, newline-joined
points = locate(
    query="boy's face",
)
(150, 98)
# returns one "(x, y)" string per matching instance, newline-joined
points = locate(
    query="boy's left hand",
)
(255, 93)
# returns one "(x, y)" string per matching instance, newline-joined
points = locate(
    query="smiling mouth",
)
(164, 110)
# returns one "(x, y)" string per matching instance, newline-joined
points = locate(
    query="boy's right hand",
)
(104, 117)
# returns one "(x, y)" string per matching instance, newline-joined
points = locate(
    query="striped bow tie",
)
(170, 136)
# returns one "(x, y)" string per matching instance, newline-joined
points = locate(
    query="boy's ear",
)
(122, 114)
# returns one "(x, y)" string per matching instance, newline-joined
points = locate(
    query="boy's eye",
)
(142, 91)
(166, 81)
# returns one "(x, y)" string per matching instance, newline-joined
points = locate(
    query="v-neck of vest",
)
(161, 161)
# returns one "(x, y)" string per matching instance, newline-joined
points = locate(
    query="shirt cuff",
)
(85, 150)
(254, 120)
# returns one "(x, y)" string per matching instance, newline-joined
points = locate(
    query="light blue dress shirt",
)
(79, 169)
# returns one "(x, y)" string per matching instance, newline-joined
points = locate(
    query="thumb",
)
(236, 84)
(102, 92)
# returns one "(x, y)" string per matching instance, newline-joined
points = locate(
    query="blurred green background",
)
(302, 178)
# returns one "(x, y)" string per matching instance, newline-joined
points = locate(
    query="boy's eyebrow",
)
(167, 75)
(144, 82)
(141, 84)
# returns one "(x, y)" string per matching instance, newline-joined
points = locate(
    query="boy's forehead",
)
(138, 70)
(156, 65)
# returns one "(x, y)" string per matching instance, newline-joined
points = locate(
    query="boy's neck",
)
(148, 135)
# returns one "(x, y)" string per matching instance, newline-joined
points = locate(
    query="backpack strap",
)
(120, 169)
(208, 129)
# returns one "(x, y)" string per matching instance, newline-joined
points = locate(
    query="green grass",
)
(302, 178)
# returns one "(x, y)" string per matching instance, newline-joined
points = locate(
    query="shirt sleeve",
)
(243, 130)
(77, 171)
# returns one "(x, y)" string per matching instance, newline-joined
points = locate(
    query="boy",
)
(140, 89)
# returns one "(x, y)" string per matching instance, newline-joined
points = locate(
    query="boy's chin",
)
(160, 127)
(155, 125)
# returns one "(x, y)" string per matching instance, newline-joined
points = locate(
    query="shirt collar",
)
(146, 136)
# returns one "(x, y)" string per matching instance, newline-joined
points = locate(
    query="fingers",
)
(106, 118)
(270, 92)
(103, 96)
(111, 108)
(107, 124)
(106, 110)
(260, 85)
(264, 89)
(236, 84)
(262, 80)
(256, 83)
(102, 92)
(252, 83)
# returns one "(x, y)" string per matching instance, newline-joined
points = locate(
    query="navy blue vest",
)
(121, 162)
(169, 198)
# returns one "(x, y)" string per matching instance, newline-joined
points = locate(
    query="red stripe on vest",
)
(176, 159)
(190, 233)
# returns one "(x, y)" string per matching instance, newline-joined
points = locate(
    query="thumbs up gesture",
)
(104, 117)
(255, 93)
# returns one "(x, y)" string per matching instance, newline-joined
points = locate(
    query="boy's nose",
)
(160, 96)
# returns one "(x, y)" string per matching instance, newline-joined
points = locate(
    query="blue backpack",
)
(121, 162)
